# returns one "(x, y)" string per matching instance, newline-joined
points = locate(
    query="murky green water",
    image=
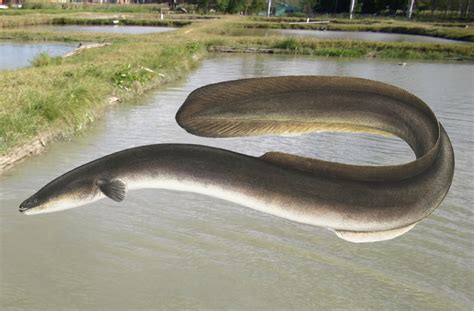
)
(15, 55)
(171, 250)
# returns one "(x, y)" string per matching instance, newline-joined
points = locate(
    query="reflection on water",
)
(16, 55)
(172, 250)
(133, 30)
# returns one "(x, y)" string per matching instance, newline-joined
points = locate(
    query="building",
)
(11, 2)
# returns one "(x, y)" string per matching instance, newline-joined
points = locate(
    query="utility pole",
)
(410, 8)
(352, 8)
(269, 8)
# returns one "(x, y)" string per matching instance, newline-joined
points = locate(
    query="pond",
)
(133, 30)
(362, 35)
(164, 249)
(15, 55)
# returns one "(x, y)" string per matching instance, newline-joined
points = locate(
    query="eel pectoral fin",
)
(114, 189)
(372, 236)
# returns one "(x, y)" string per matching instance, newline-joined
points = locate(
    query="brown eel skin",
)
(359, 203)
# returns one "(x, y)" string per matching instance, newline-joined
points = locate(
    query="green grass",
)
(347, 48)
(63, 100)
(61, 96)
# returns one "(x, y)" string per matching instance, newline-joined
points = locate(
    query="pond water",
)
(133, 30)
(16, 55)
(362, 35)
(172, 250)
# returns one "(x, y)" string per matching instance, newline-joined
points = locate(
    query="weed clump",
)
(44, 59)
(287, 44)
(127, 76)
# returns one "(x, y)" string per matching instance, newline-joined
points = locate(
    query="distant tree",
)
(257, 6)
(235, 6)
(454, 8)
(333, 6)
(372, 6)
(308, 6)
(395, 5)
(377, 6)
(466, 10)
(203, 5)
(221, 5)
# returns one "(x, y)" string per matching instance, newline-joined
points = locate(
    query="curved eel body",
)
(360, 203)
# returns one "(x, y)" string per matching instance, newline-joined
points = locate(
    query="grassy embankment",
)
(16, 21)
(237, 36)
(60, 96)
(341, 48)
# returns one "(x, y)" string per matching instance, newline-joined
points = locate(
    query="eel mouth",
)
(27, 205)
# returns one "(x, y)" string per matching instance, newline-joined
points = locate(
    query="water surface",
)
(362, 35)
(172, 250)
(16, 55)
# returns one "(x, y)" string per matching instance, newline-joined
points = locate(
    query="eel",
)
(359, 203)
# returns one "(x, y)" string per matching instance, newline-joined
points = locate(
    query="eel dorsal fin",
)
(326, 168)
(345, 171)
(372, 236)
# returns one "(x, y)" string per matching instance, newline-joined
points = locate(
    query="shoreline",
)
(38, 144)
